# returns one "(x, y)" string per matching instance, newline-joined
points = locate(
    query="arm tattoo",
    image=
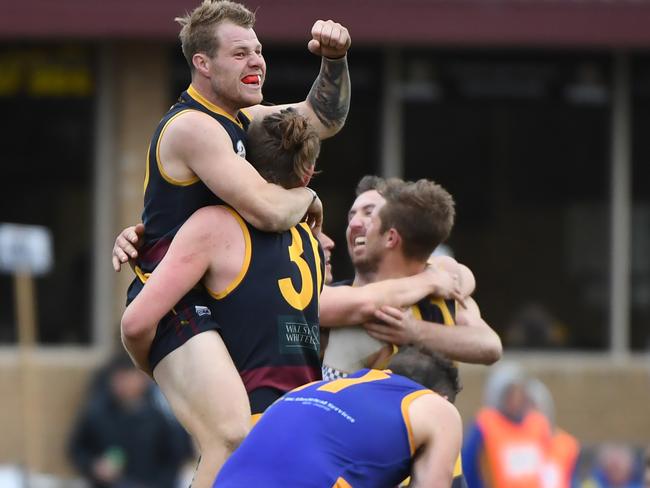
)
(329, 96)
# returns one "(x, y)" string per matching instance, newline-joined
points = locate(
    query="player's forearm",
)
(329, 97)
(274, 209)
(477, 345)
(340, 306)
(345, 305)
(404, 292)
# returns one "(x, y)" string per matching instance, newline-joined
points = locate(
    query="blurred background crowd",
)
(532, 113)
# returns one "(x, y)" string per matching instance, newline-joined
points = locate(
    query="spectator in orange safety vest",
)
(564, 449)
(507, 445)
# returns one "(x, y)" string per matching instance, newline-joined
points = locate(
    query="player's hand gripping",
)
(394, 326)
(329, 39)
(446, 285)
(126, 245)
(315, 216)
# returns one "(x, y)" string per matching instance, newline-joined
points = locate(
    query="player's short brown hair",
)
(283, 148)
(368, 183)
(197, 27)
(430, 370)
(422, 212)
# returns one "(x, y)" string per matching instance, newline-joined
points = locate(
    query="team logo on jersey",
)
(202, 310)
(241, 150)
(295, 334)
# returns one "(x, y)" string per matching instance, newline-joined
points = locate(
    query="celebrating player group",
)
(233, 310)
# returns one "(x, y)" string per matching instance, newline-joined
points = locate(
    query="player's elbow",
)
(267, 217)
(132, 328)
(491, 350)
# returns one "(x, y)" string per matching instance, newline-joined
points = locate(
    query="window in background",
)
(47, 96)
(640, 266)
(522, 142)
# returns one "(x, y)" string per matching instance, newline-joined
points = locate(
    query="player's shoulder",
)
(255, 113)
(212, 215)
(425, 405)
(192, 125)
(211, 221)
(432, 405)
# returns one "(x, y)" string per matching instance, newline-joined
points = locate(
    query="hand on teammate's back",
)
(329, 39)
(126, 245)
(447, 285)
(394, 326)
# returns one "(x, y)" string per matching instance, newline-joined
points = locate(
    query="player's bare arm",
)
(328, 101)
(437, 433)
(186, 262)
(195, 145)
(472, 340)
(347, 305)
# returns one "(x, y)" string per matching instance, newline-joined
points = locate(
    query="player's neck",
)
(395, 265)
(362, 278)
(203, 88)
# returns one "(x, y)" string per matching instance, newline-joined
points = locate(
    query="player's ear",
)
(309, 174)
(393, 239)
(201, 63)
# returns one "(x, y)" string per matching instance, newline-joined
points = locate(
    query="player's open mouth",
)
(255, 80)
(359, 241)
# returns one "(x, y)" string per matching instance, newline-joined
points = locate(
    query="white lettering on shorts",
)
(202, 310)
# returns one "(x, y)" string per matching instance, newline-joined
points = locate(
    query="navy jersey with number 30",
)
(269, 315)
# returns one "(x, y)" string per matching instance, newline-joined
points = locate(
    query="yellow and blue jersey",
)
(268, 316)
(350, 432)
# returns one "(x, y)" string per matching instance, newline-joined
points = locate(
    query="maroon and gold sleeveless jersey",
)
(268, 316)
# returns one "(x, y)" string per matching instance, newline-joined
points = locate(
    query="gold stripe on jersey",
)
(161, 170)
(192, 92)
(448, 319)
(458, 467)
(342, 383)
(406, 403)
(142, 276)
(314, 246)
(247, 259)
(384, 364)
(247, 114)
(415, 310)
(341, 483)
(306, 385)
(146, 173)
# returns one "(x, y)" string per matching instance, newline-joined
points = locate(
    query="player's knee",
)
(231, 442)
(228, 436)
(235, 433)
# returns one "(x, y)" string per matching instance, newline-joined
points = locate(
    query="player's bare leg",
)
(207, 396)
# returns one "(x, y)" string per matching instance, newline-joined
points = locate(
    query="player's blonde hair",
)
(284, 148)
(197, 27)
